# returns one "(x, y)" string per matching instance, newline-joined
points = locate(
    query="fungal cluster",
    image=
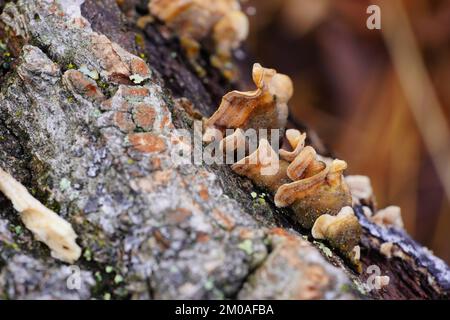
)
(220, 22)
(312, 186)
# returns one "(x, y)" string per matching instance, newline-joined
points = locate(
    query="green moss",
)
(345, 288)
(18, 230)
(327, 251)
(261, 201)
(109, 269)
(118, 279)
(139, 40)
(71, 99)
(64, 184)
(13, 246)
(87, 254)
(246, 246)
(98, 276)
(209, 284)
(71, 66)
(359, 287)
(96, 113)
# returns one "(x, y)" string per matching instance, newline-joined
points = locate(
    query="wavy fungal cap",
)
(263, 108)
(262, 167)
(343, 231)
(313, 177)
(45, 224)
(297, 141)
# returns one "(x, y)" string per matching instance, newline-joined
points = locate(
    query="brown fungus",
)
(263, 167)
(297, 141)
(264, 108)
(311, 186)
(386, 249)
(195, 21)
(361, 190)
(342, 231)
(318, 188)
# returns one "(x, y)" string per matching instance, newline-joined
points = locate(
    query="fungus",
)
(297, 141)
(230, 32)
(45, 224)
(386, 249)
(298, 178)
(235, 141)
(264, 108)
(197, 20)
(343, 231)
(317, 188)
(303, 160)
(289, 193)
(361, 190)
(367, 212)
(390, 216)
(309, 187)
(263, 167)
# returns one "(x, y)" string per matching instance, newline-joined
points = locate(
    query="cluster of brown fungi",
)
(312, 186)
(220, 23)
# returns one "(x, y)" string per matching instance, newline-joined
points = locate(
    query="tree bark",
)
(97, 151)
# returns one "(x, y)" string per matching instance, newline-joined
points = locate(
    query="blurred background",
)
(380, 99)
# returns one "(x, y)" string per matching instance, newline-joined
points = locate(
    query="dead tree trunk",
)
(97, 151)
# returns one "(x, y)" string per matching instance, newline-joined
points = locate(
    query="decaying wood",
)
(97, 151)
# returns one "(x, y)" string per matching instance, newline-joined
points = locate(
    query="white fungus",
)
(45, 224)
(390, 216)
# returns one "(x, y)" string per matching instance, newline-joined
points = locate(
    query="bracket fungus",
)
(298, 178)
(297, 139)
(312, 189)
(196, 21)
(45, 224)
(389, 216)
(343, 231)
(317, 187)
(264, 108)
(361, 190)
(263, 167)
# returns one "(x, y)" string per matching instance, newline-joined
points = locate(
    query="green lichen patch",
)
(327, 251)
(246, 246)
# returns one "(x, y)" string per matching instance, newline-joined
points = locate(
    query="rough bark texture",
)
(99, 153)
